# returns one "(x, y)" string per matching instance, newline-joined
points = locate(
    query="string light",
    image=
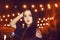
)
(44, 24)
(48, 18)
(13, 14)
(42, 9)
(8, 25)
(35, 10)
(39, 19)
(49, 6)
(47, 24)
(43, 18)
(7, 6)
(18, 13)
(6, 20)
(24, 6)
(41, 5)
(32, 6)
(15, 6)
(3, 16)
(37, 24)
(39, 27)
(40, 24)
(1, 19)
(52, 18)
(56, 5)
(8, 15)
(10, 19)
(4, 24)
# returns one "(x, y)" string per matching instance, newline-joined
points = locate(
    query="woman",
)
(31, 32)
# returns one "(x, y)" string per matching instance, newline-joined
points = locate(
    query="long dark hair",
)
(29, 33)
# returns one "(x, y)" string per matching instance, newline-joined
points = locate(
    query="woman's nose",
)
(27, 17)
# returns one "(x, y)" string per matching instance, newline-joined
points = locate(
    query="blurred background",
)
(47, 11)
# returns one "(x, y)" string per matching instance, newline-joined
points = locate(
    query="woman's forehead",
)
(27, 12)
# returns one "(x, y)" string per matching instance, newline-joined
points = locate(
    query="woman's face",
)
(28, 17)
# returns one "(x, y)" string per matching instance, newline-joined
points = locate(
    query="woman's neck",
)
(28, 26)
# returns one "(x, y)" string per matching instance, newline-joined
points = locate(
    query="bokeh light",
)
(7, 6)
(35, 10)
(56, 5)
(24, 6)
(33, 6)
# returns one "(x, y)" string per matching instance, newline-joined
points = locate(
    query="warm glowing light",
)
(42, 9)
(39, 18)
(7, 6)
(39, 27)
(48, 18)
(47, 24)
(6, 19)
(8, 15)
(32, 6)
(35, 10)
(18, 13)
(44, 24)
(49, 6)
(56, 5)
(4, 24)
(24, 6)
(15, 6)
(43, 18)
(41, 5)
(52, 18)
(37, 24)
(1, 19)
(3, 16)
(20, 19)
(10, 19)
(13, 14)
(40, 24)
(8, 25)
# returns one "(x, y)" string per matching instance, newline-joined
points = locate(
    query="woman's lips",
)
(28, 21)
